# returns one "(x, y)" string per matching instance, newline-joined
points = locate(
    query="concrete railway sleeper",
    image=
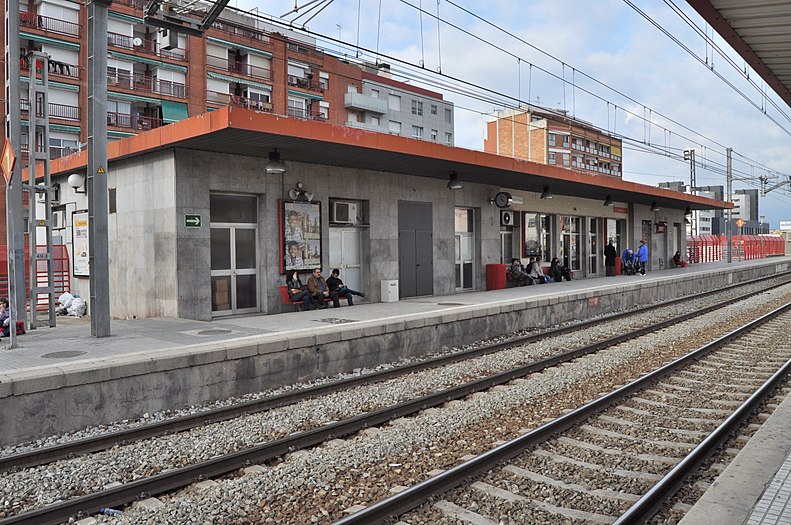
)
(615, 460)
(167, 481)
(43, 455)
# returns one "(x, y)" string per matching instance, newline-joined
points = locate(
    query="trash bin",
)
(495, 276)
(390, 291)
(617, 266)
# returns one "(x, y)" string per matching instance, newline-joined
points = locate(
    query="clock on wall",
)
(503, 199)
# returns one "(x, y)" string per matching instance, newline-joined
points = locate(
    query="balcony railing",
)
(239, 68)
(137, 4)
(226, 99)
(147, 46)
(304, 113)
(305, 83)
(55, 152)
(55, 110)
(45, 23)
(136, 122)
(256, 34)
(140, 82)
(55, 68)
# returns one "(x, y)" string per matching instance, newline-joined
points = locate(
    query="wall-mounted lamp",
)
(454, 183)
(546, 194)
(608, 201)
(687, 212)
(654, 207)
(77, 181)
(274, 165)
(300, 192)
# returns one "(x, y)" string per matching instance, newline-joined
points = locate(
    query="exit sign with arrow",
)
(192, 220)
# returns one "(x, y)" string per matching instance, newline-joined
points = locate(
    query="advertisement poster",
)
(79, 225)
(301, 235)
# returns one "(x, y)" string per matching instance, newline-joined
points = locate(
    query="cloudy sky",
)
(602, 61)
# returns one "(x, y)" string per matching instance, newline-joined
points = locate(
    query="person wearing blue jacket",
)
(642, 256)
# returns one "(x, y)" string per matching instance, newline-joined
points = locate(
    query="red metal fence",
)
(61, 273)
(709, 248)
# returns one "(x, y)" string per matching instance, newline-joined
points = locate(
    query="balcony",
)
(143, 83)
(137, 4)
(55, 110)
(259, 35)
(147, 46)
(239, 68)
(226, 99)
(310, 114)
(55, 152)
(305, 83)
(364, 103)
(55, 68)
(135, 122)
(45, 23)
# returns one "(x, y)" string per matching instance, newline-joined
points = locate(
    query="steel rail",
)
(178, 478)
(46, 455)
(416, 495)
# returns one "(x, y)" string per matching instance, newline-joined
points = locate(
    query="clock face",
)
(502, 199)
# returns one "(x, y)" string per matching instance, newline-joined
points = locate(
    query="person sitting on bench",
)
(518, 275)
(340, 289)
(318, 288)
(298, 292)
(678, 261)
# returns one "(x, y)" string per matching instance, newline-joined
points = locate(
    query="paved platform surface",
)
(755, 489)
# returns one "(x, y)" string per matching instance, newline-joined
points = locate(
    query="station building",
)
(199, 229)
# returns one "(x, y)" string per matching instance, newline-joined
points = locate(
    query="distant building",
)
(553, 137)
(714, 222)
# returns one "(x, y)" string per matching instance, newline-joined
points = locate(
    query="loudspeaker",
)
(506, 218)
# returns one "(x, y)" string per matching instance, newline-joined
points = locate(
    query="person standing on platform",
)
(340, 289)
(609, 258)
(318, 288)
(642, 256)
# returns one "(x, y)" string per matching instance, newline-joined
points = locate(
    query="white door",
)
(346, 255)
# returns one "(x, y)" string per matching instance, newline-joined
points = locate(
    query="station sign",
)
(785, 226)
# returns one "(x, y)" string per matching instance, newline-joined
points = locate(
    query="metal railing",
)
(136, 122)
(55, 152)
(305, 83)
(239, 68)
(147, 46)
(226, 99)
(46, 23)
(256, 34)
(141, 82)
(55, 110)
(55, 68)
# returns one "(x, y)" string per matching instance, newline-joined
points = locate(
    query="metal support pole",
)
(14, 211)
(98, 258)
(729, 178)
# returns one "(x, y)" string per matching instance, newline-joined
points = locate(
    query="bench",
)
(286, 300)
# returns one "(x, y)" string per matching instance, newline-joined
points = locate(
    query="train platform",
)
(62, 379)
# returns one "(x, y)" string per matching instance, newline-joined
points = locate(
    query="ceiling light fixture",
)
(608, 201)
(275, 165)
(654, 207)
(687, 212)
(454, 183)
(546, 194)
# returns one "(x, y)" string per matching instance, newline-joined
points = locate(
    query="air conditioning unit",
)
(58, 219)
(344, 212)
(506, 218)
(169, 39)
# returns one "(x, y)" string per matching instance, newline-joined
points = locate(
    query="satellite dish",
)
(137, 41)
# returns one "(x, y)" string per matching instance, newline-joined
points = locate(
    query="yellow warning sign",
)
(100, 170)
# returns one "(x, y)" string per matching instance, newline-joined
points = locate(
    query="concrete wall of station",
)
(45, 401)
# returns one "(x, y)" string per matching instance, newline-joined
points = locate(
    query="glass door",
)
(465, 240)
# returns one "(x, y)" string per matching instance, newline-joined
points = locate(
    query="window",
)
(565, 141)
(374, 93)
(449, 139)
(375, 121)
(537, 235)
(566, 159)
(61, 147)
(394, 127)
(394, 102)
(324, 83)
(296, 107)
(434, 135)
(552, 158)
(417, 132)
(570, 232)
(448, 115)
(417, 108)
(552, 140)
(433, 109)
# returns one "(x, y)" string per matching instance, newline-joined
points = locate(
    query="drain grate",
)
(451, 304)
(214, 331)
(334, 320)
(62, 355)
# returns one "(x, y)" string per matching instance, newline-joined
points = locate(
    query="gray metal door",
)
(415, 249)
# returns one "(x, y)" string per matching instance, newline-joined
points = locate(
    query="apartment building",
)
(390, 106)
(553, 137)
(155, 78)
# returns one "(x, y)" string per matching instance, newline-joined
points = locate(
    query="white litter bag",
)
(77, 307)
(65, 300)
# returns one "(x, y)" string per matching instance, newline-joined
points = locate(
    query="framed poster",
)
(301, 240)
(79, 236)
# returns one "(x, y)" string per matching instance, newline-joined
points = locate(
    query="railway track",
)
(131, 491)
(619, 458)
